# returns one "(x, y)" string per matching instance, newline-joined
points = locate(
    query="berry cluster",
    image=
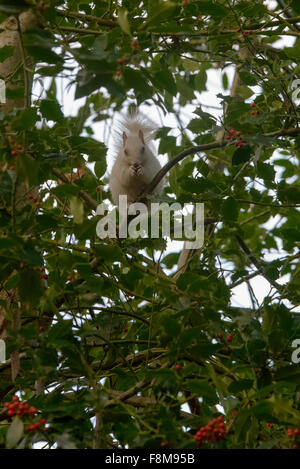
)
(253, 112)
(17, 407)
(135, 45)
(229, 337)
(15, 148)
(214, 431)
(40, 424)
(292, 434)
(245, 33)
(21, 408)
(236, 135)
(122, 61)
(35, 200)
(43, 274)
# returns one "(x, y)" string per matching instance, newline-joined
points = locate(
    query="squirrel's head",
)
(134, 148)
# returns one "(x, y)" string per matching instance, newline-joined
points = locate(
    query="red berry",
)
(253, 105)
(69, 278)
(231, 131)
(296, 431)
(12, 168)
(257, 112)
(185, 2)
(118, 73)
(295, 446)
(177, 367)
(244, 34)
(229, 338)
(14, 153)
(43, 421)
(221, 335)
(19, 147)
(10, 412)
(250, 31)
(122, 61)
(33, 410)
(125, 330)
(15, 399)
(238, 30)
(238, 133)
(135, 45)
(253, 113)
(163, 443)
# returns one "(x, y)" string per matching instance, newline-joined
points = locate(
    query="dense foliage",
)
(115, 341)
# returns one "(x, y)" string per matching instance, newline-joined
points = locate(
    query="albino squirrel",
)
(135, 165)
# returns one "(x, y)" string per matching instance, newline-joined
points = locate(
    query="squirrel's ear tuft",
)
(124, 138)
(141, 135)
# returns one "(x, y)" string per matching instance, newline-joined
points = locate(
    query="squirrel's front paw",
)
(136, 169)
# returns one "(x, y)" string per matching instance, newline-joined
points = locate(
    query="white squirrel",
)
(135, 165)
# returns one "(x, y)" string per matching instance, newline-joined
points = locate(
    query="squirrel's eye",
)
(126, 152)
(143, 149)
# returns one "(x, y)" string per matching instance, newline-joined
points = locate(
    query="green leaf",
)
(241, 155)
(28, 168)
(265, 171)
(240, 385)
(244, 92)
(108, 253)
(26, 119)
(14, 433)
(164, 81)
(136, 80)
(30, 287)
(162, 12)
(230, 209)
(5, 52)
(212, 9)
(100, 168)
(77, 209)
(123, 20)
(51, 110)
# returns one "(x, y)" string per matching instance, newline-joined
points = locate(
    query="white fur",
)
(135, 164)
